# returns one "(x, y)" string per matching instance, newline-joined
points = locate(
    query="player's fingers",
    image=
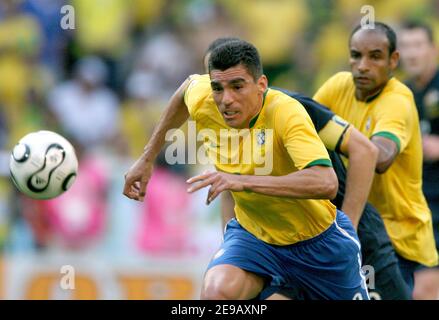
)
(210, 192)
(201, 184)
(215, 192)
(136, 185)
(127, 187)
(142, 188)
(131, 194)
(200, 177)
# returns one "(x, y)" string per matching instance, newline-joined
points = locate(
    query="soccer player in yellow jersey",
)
(383, 109)
(285, 233)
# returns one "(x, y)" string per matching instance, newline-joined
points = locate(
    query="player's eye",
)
(217, 88)
(355, 55)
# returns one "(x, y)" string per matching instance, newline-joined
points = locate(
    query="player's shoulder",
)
(279, 100)
(197, 90)
(399, 93)
(283, 107)
(396, 87)
(199, 81)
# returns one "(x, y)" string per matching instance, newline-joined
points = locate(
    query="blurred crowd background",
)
(103, 86)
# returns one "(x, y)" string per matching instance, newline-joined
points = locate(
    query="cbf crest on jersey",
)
(261, 137)
(368, 123)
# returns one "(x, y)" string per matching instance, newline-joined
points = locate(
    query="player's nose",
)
(227, 98)
(363, 65)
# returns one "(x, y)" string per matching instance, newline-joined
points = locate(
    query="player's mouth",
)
(230, 115)
(362, 79)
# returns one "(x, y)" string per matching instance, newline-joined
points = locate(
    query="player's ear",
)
(263, 83)
(394, 60)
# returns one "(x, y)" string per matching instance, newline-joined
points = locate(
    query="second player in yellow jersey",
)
(383, 109)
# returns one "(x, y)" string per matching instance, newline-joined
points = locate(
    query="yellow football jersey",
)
(397, 193)
(282, 134)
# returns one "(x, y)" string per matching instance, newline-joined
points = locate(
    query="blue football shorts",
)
(326, 267)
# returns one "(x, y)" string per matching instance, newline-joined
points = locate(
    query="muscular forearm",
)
(311, 183)
(387, 152)
(173, 117)
(363, 156)
(360, 175)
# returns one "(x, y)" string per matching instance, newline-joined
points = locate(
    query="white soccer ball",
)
(43, 165)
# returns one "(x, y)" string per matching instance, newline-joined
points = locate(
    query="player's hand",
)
(136, 179)
(218, 182)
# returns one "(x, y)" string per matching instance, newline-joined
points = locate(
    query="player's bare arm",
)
(388, 150)
(363, 156)
(227, 207)
(137, 177)
(316, 182)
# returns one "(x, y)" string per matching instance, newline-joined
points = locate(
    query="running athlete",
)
(341, 139)
(285, 233)
(383, 109)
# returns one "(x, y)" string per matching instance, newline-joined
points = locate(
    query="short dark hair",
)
(233, 53)
(383, 28)
(414, 24)
(220, 41)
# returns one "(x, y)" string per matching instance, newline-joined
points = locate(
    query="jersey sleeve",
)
(335, 133)
(198, 89)
(319, 114)
(395, 120)
(332, 129)
(326, 93)
(299, 136)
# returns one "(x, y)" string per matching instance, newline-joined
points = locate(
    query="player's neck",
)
(255, 115)
(366, 95)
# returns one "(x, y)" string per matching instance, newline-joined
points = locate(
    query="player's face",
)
(238, 96)
(417, 52)
(370, 62)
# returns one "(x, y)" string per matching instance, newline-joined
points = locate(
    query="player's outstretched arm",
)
(316, 182)
(137, 177)
(363, 156)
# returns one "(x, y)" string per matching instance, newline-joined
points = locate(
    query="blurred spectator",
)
(54, 42)
(5, 186)
(103, 29)
(164, 227)
(273, 26)
(207, 21)
(20, 42)
(168, 59)
(103, 26)
(140, 111)
(145, 13)
(87, 110)
(419, 56)
(77, 218)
